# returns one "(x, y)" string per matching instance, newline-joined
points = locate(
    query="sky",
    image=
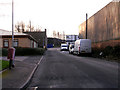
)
(58, 15)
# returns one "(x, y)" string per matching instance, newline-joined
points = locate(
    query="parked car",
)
(71, 48)
(82, 46)
(64, 47)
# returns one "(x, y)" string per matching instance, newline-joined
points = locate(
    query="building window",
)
(15, 43)
(5, 43)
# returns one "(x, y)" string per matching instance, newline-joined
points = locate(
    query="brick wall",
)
(22, 42)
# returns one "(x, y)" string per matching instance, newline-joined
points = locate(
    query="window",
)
(5, 43)
(15, 43)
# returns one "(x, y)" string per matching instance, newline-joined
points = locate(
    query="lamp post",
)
(86, 24)
(12, 23)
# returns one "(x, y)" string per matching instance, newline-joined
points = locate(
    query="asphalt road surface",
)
(58, 69)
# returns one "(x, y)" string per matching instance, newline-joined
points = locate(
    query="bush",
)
(116, 51)
(96, 52)
(25, 51)
(4, 51)
(108, 51)
(29, 51)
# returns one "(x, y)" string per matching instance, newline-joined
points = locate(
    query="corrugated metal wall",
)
(103, 25)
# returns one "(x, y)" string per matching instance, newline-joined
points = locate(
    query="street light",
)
(12, 23)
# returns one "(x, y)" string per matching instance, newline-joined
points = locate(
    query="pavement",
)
(20, 76)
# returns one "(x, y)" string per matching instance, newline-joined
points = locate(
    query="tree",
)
(22, 24)
(20, 27)
(30, 27)
(17, 27)
(54, 34)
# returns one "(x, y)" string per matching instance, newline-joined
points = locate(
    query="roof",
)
(5, 32)
(8, 34)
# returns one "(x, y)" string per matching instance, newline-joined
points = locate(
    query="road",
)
(58, 69)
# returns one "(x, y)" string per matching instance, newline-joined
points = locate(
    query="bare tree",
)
(54, 34)
(17, 27)
(30, 27)
(20, 27)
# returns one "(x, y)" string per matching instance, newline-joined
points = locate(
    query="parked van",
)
(64, 47)
(82, 46)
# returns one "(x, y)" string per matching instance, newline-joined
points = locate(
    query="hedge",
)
(109, 51)
(25, 51)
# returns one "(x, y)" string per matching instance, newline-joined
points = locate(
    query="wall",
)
(103, 26)
(22, 42)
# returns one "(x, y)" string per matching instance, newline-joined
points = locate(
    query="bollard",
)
(11, 56)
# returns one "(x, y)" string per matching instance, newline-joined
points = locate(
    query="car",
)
(64, 47)
(71, 48)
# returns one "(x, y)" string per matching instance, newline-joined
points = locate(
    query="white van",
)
(82, 46)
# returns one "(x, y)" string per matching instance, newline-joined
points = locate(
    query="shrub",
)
(116, 51)
(96, 52)
(29, 51)
(107, 51)
(4, 51)
(25, 51)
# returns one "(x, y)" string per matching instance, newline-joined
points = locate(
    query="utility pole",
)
(30, 26)
(12, 23)
(86, 25)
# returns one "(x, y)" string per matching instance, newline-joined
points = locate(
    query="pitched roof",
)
(5, 32)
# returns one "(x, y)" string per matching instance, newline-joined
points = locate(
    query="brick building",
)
(103, 26)
(40, 36)
(20, 40)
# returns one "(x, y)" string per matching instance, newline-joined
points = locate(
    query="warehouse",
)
(103, 26)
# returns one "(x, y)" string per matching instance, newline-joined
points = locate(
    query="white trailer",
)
(82, 46)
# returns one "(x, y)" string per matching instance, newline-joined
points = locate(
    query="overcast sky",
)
(59, 15)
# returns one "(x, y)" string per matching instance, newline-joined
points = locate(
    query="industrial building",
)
(71, 38)
(103, 27)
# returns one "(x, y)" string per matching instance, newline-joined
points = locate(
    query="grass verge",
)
(4, 64)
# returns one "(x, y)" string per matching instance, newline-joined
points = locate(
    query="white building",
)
(71, 38)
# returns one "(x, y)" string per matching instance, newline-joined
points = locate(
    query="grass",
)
(4, 64)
